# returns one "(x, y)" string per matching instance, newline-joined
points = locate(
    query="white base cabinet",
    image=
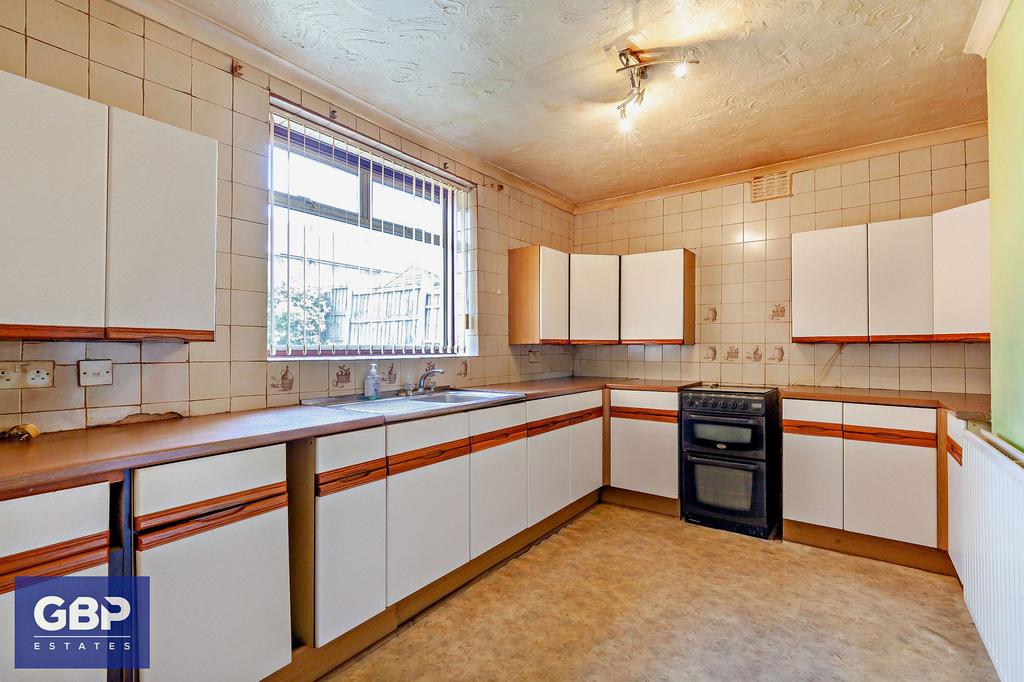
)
(956, 523)
(549, 468)
(812, 479)
(644, 443)
(497, 476)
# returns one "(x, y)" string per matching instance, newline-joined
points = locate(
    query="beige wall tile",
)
(976, 149)
(211, 120)
(251, 99)
(56, 67)
(977, 175)
(828, 177)
(115, 88)
(248, 378)
(116, 351)
(948, 200)
(165, 382)
(168, 37)
(116, 15)
(248, 343)
(249, 308)
(948, 179)
(210, 56)
(856, 172)
(167, 67)
(12, 15)
(915, 161)
(157, 351)
(12, 52)
(62, 420)
(209, 380)
(57, 24)
(915, 185)
(125, 390)
(249, 203)
(248, 274)
(167, 105)
(915, 208)
(887, 166)
(946, 155)
(115, 47)
(249, 239)
(211, 84)
(214, 351)
(251, 134)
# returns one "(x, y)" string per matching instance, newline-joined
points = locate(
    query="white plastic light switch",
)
(26, 375)
(95, 372)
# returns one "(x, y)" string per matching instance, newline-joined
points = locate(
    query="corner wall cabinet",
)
(657, 297)
(134, 221)
(538, 286)
(918, 279)
(962, 278)
(593, 298)
(212, 534)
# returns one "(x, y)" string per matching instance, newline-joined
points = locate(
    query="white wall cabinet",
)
(228, 562)
(645, 442)
(889, 489)
(812, 464)
(900, 280)
(657, 297)
(830, 285)
(497, 476)
(54, 196)
(538, 284)
(428, 501)
(586, 435)
(161, 230)
(593, 298)
(961, 273)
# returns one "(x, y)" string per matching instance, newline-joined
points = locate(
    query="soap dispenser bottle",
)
(371, 385)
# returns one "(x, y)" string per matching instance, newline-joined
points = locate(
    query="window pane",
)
(341, 280)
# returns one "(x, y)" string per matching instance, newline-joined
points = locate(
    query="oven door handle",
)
(718, 419)
(720, 463)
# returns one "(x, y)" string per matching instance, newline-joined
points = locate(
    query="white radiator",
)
(994, 549)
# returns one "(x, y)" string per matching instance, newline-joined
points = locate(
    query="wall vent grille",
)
(771, 186)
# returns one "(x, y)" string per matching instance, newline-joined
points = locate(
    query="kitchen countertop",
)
(55, 459)
(968, 406)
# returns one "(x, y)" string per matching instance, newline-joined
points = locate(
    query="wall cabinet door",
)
(900, 280)
(350, 537)
(961, 272)
(549, 471)
(54, 197)
(812, 479)
(161, 230)
(538, 283)
(657, 297)
(830, 285)
(428, 525)
(593, 298)
(645, 442)
(497, 476)
(220, 602)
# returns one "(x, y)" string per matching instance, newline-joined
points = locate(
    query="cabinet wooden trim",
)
(671, 341)
(955, 451)
(962, 338)
(594, 342)
(48, 332)
(143, 334)
(900, 338)
(539, 426)
(432, 454)
(806, 428)
(830, 339)
(878, 434)
(555, 342)
(492, 439)
(582, 416)
(646, 414)
(857, 544)
(201, 524)
(59, 551)
(343, 478)
(63, 566)
(54, 486)
(195, 509)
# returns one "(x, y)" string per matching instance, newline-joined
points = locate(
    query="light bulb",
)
(625, 125)
(681, 69)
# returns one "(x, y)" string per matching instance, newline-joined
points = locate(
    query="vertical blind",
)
(367, 253)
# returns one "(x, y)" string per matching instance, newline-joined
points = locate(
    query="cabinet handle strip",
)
(194, 509)
(48, 332)
(343, 478)
(808, 428)
(649, 414)
(492, 439)
(955, 451)
(217, 519)
(143, 333)
(22, 561)
(878, 434)
(830, 339)
(414, 459)
(63, 566)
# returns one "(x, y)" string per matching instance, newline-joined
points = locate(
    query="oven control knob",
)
(733, 404)
(721, 403)
(703, 403)
(742, 405)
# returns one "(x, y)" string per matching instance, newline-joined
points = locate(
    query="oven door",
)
(721, 435)
(725, 489)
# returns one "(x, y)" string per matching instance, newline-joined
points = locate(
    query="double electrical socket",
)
(26, 375)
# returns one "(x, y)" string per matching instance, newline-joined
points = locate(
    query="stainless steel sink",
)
(455, 397)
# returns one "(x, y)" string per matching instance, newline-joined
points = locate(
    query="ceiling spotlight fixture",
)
(636, 64)
(625, 125)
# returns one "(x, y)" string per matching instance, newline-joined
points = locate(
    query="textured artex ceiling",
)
(530, 84)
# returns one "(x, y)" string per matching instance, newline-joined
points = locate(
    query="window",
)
(365, 249)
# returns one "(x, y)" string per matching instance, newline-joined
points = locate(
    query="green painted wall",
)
(1006, 185)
